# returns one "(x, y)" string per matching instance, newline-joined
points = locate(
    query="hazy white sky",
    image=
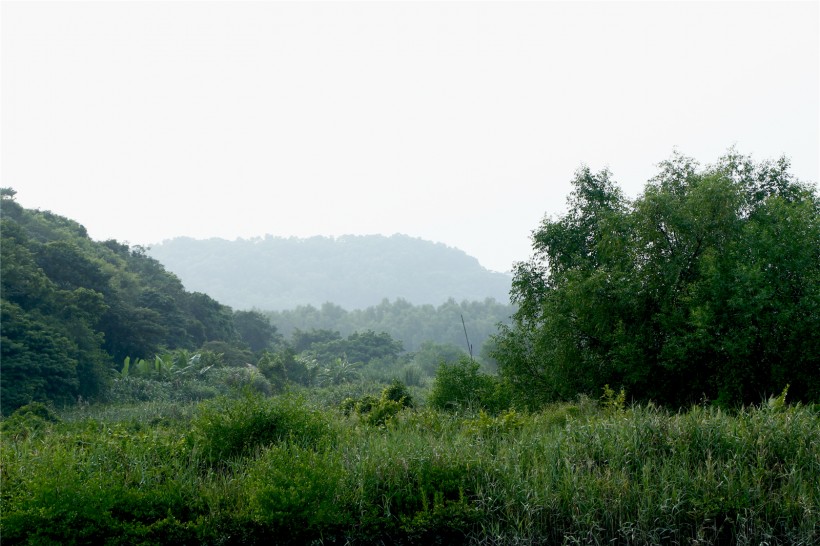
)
(457, 122)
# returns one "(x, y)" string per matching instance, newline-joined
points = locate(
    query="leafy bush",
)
(382, 412)
(462, 386)
(241, 379)
(397, 392)
(27, 419)
(295, 491)
(224, 428)
(378, 411)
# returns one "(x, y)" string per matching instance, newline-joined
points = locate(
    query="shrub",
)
(247, 378)
(397, 392)
(462, 386)
(378, 411)
(27, 419)
(225, 428)
(382, 412)
(295, 491)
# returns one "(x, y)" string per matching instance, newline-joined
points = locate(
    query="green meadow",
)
(301, 468)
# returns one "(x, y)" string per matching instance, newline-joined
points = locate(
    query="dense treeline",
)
(86, 320)
(706, 286)
(354, 271)
(413, 325)
(73, 309)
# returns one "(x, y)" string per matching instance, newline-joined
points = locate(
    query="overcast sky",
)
(461, 123)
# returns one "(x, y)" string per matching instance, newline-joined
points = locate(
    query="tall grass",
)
(257, 470)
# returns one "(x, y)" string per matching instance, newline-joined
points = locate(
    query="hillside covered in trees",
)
(355, 272)
(102, 321)
(73, 309)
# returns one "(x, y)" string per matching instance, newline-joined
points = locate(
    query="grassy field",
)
(296, 469)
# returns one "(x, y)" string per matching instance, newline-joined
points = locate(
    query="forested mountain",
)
(355, 272)
(73, 308)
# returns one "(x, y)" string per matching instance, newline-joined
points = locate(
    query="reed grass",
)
(570, 474)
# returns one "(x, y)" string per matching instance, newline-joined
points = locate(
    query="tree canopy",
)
(73, 309)
(706, 286)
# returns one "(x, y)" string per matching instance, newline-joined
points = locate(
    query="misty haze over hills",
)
(353, 271)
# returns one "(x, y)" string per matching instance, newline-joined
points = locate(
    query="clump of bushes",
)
(226, 428)
(296, 492)
(28, 419)
(378, 411)
(462, 386)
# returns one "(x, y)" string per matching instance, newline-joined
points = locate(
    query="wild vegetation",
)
(295, 469)
(93, 320)
(635, 400)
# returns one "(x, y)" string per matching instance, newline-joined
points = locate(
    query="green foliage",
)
(179, 376)
(357, 348)
(37, 358)
(28, 419)
(379, 411)
(231, 354)
(430, 356)
(613, 402)
(255, 330)
(337, 372)
(414, 326)
(779, 402)
(486, 425)
(705, 286)
(225, 428)
(462, 386)
(397, 392)
(296, 492)
(73, 307)
(572, 473)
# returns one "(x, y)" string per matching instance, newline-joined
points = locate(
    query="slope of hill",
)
(74, 308)
(275, 273)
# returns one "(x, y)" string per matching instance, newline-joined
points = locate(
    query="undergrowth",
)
(253, 470)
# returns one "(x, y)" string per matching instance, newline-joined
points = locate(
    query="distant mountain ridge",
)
(352, 271)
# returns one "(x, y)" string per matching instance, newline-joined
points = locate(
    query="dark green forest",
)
(73, 309)
(352, 271)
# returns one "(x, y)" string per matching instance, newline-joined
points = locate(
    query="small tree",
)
(461, 386)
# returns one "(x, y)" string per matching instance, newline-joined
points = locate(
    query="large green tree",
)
(707, 285)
